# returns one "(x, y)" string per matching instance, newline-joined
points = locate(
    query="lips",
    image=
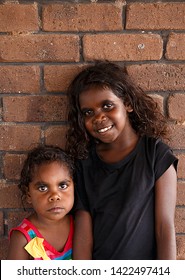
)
(104, 129)
(56, 209)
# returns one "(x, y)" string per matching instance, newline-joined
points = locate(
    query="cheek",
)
(70, 196)
(88, 124)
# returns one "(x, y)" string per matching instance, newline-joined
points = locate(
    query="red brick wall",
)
(43, 44)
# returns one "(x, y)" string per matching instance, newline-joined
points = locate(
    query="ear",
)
(28, 198)
(129, 108)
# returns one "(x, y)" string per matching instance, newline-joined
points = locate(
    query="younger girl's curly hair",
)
(38, 156)
(146, 117)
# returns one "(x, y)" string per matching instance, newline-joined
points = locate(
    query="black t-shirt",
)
(120, 198)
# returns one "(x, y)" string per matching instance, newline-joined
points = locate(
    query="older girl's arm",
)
(165, 202)
(83, 237)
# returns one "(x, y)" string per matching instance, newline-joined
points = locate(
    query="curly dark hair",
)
(146, 117)
(38, 156)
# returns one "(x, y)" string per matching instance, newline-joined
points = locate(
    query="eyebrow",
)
(40, 183)
(46, 183)
(102, 102)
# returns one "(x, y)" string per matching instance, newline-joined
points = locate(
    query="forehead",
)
(54, 167)
(97, 95)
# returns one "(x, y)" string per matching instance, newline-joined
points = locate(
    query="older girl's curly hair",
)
(38, 156)
(146, 117)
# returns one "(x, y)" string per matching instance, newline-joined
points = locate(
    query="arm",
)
(165, 202)
(16, 249)
(83, 237)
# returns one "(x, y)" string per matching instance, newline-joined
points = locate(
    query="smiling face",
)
(51, 191)
(105, 115)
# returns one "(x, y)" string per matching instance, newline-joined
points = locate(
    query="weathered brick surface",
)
(156, 16)
(159, 76)
(13, 164)
(34, 109)
(1, 224)
(181, 165)
(177, 139)
(33, 48)
(10, 196)
(18, 137)
(56, 135)
(19, 79)
(176, 107)
(4, 247)
(79, 17)
(180, 247)
(58, 77)
(118, 47)
(44, 44)
(181, 193)
(175, 47)
(180, 217)
(18, 18)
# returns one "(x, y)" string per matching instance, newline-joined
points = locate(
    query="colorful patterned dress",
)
(39, 248)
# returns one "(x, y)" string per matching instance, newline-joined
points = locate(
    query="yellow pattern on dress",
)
(36, 249)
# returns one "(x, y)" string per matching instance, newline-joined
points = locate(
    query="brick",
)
(10, 195)
(82, 17)
(181, 194)
(19, 137)
(56, 135)
(180, 247)
(1, 109)
(175, 47)
(1, 165)
(4, 248)
(58, 77)
(176, 135)
(1, 223)
(180, 220)
(155, 16)
(176, 107)
(34, 108)
(18, 18)
(158, 77)
(38, 48)
(118, 47)
(181, 166)
(19, 79)
(13, 164)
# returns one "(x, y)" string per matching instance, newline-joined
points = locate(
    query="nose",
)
(99, 117)
(54, 196)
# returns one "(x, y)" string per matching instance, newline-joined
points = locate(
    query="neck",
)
(118, 150)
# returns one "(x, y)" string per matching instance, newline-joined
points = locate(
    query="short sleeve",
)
(164, 159)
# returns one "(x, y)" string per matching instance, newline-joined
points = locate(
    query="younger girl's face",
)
(51, 191)
(105, 115)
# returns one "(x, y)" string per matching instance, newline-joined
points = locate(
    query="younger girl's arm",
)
(16, 249)
(83, 237)
(165, 193)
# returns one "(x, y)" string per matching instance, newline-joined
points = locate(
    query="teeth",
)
(104, 129)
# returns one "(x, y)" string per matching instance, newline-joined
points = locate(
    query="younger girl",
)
(126, 176)
(47, 183)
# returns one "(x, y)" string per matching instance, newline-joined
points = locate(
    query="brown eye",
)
(42, 188)
(87, 113)
(63, 186)
(108, 106)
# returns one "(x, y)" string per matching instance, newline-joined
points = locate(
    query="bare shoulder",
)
(16, 249)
